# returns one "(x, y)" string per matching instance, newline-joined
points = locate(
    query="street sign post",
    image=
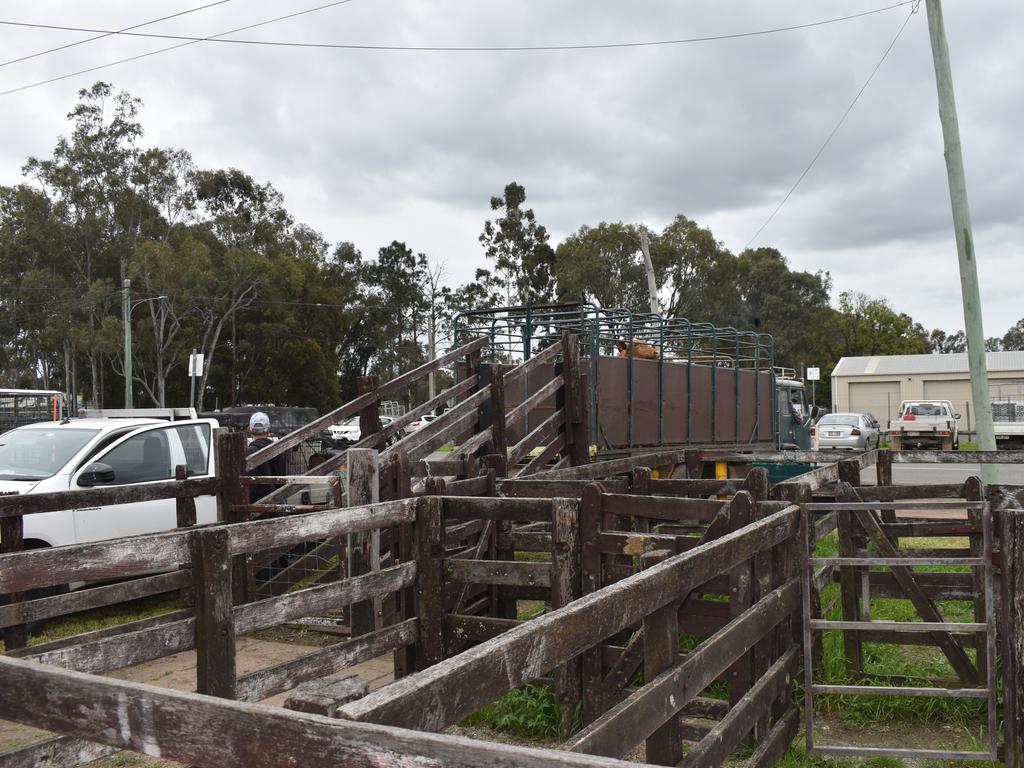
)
(813, 375)
(195, 369)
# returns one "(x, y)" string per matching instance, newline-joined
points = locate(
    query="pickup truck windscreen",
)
(34, 454)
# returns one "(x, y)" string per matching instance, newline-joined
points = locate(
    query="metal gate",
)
(870, 559)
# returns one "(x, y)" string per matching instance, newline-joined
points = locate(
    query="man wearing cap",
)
(259, 431)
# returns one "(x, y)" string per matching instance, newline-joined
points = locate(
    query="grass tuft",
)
(530, 712)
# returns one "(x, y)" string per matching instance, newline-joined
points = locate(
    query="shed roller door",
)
(879, 398)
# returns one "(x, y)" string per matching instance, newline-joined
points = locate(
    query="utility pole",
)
(127, 314)
(652, 285)
(964, 237)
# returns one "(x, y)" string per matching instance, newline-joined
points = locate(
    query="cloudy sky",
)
(376, 145)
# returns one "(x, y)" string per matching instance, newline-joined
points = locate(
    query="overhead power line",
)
(105, 33)
(189, 41)
(467, 48)
(836, 128)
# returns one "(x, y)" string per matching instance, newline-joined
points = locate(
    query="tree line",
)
(216, 263)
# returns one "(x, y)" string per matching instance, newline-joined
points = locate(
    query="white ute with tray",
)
(75, 454)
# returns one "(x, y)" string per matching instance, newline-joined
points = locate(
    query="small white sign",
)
(195, 365)
(814, 374)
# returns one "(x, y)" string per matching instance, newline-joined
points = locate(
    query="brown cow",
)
(637, 348)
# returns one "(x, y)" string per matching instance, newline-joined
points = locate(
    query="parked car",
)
(856, 431)
(338, 437)
(109, 453)
(420, 423)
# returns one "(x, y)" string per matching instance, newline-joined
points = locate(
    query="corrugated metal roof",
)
(910, 364)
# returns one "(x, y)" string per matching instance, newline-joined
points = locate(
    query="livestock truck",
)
(655, 381)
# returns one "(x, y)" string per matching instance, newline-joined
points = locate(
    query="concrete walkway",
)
(178, 672)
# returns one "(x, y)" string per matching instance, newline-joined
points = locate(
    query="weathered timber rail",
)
(627, 555)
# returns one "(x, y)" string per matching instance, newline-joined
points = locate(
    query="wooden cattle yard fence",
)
(677, 592)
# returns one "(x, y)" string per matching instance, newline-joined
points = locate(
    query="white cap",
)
(259, 422)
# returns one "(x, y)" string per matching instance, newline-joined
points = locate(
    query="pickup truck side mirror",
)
(956, 416)
(815, 411)
(96, 473)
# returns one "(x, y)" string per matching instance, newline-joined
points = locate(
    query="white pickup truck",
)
(925, 424)
(74, 454)
(1008, 423)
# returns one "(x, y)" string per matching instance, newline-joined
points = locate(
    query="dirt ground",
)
(178, 672)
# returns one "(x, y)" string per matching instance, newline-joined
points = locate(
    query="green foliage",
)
(530, 712)
(518, 247)
(219, 264)
(603, 265)
(1013, 339)
(216, 263)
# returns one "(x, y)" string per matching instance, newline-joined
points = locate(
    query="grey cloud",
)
(371, 145)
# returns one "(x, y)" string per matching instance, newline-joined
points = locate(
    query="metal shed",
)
(878, 384)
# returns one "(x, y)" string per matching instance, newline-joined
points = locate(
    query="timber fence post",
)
(215, 631)
(363, 487)
(883, 477)
(499, 436)
(590, 581)
(800, 493)
(229, 448)
(185, 514)
(1012, 535)
(502, 605)
(767, 567)
(694, 460)
(369, 417)
(429, 546)
(741, 589)
(12, 539)
(661, 652)
(974, 490)
(566, 587)
(640, 485)
(577, 427)
(851, 590)
(473, 368)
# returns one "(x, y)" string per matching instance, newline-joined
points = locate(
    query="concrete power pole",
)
(964, 237)
(652, 285)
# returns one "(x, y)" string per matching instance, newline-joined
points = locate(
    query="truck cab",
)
(794, 416)
(76, 454)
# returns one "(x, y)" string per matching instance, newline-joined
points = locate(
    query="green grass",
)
(530, 712)
(885, 659)
(102, 618)
(968, 445)
(796, 757)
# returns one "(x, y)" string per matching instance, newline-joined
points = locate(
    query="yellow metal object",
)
(721, 473)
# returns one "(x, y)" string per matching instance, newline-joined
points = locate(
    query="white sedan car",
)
(853, 431)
